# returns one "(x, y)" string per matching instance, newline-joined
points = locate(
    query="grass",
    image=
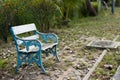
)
(2, 63)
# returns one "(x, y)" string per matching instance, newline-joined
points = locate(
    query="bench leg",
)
(56, 54)
(40, 63)
(18, 62)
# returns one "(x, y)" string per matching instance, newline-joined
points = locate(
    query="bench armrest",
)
(47, 36)
(27, 42)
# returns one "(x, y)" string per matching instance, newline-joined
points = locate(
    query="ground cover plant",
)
(76, 58)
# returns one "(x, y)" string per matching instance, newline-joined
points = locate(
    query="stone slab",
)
(103, 44)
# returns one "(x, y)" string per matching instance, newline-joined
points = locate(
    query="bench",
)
(31, 44)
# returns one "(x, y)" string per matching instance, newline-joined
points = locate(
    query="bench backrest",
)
(23, 28)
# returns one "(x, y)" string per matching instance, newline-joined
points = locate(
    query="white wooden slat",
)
(31, 49)
(49, 45)
(36, 48)
(28, 38)
(23, 28)
(31, 37)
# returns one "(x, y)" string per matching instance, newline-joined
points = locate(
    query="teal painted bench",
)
(31, 44)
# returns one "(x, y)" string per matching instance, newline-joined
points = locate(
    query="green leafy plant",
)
(44, 13)
(64, 7)
(12, 13)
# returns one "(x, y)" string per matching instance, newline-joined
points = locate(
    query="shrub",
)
(13, 12)
(17, 12)
(95, 5)
(6, 17)
(117, 3)
(44, 13)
